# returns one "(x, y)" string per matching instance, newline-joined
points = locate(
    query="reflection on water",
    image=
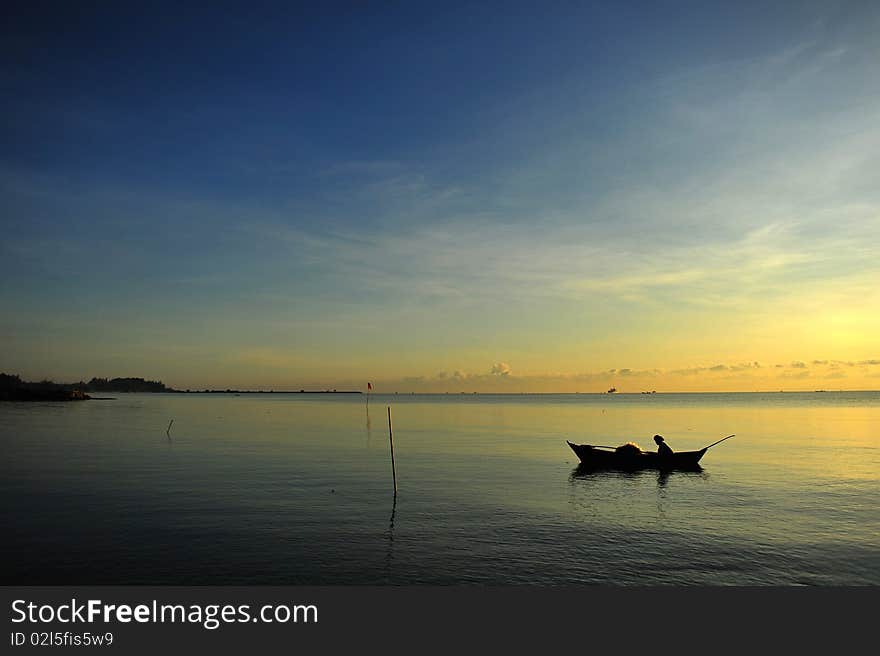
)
(369, 426)
(661, 476)
(390, 558)
(285, 489)
(603, 478)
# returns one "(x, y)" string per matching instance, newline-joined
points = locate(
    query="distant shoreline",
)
(23, 394)
(513, 394)
(232, 391)
(28, 396)
(12, 388)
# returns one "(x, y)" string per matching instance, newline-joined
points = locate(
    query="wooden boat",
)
(600, 457)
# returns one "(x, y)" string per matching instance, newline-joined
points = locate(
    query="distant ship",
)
(612, 390)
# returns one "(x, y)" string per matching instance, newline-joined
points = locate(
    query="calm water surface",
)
(296, 489)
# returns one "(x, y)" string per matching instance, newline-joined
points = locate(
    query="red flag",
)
(369, 386)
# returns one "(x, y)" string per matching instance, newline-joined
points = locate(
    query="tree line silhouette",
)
(13, 388)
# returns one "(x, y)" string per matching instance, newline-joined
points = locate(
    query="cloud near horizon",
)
(725, 377)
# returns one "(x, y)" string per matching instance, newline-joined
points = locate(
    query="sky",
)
(522, 197)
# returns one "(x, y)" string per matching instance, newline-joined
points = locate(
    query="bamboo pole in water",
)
(391, 441)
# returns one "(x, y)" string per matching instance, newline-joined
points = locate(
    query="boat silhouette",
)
(606, 457)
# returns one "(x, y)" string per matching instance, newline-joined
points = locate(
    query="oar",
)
(719, 441)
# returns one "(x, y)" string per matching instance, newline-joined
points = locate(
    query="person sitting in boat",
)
(663, 449)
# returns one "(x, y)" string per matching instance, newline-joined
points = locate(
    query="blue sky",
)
(265, 195)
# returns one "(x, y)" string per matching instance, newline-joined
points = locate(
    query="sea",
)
(253, 489)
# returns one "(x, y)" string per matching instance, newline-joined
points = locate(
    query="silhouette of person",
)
(663, 449)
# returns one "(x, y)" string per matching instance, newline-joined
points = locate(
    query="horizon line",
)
(471, 393)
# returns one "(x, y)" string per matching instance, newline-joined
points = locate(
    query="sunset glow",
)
(562, 202)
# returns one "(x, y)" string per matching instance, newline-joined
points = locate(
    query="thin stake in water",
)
(391, 440)
(168, 430)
